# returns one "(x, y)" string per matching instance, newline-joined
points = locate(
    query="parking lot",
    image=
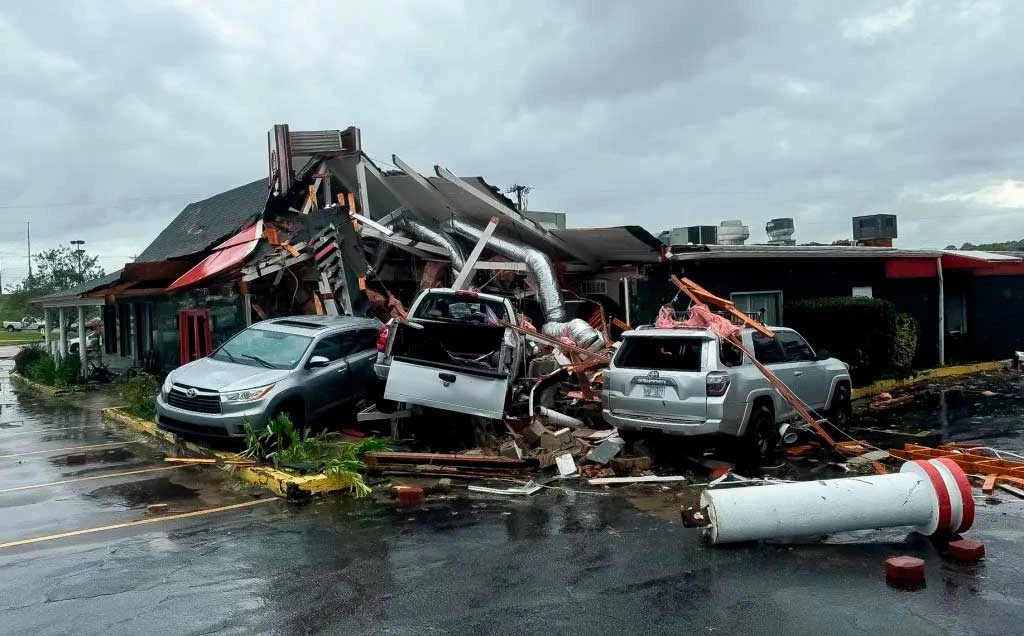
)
(601, 561)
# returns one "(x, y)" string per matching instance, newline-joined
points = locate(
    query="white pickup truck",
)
(450, 354)
(25, 324)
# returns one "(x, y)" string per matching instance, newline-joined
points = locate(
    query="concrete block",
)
(157, 509)
(904, 570)
(410, 495)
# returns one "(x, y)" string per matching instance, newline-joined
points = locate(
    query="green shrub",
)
(26, 357)
(296, 448)
(139, 394)
(866, 333)
(905, 345)
(38, 365)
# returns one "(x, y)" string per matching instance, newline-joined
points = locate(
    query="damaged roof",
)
(78, 290)
(203, 223)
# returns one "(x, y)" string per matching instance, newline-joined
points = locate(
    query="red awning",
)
(228, 254)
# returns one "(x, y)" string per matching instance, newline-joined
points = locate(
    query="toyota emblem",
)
(653, 375)
(191, 393)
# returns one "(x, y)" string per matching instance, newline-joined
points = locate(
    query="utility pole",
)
(521, 192)
(28, 239)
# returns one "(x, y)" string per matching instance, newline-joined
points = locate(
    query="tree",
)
(55, 269)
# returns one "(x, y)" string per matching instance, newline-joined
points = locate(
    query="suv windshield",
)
(459, 308)
(672, 353)
(264, 348)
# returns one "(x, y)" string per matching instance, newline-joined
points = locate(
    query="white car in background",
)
(25, 324)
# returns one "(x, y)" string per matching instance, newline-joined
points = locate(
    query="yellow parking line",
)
(141, 522)
(91, 477)
(72, 448)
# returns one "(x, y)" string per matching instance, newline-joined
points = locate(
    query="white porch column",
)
(82, 349)
(62, 337)
(46, 331)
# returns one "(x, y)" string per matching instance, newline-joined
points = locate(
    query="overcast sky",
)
(654, 113)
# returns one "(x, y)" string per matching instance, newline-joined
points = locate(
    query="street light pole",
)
(78, 243)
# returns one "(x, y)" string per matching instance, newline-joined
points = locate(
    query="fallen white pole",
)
(933, 497)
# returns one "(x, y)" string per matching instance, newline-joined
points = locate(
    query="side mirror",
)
(823, 354)
(317, 362)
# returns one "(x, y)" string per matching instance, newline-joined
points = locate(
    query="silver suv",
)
(302, 366)
(691, 382)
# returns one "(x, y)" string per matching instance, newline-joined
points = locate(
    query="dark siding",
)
(995, 317)
(799, 279)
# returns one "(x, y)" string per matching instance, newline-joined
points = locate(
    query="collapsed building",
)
(329, 231)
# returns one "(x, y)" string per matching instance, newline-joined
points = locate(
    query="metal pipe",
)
(559, 419)
(432, 236)
(942, 312)
(539, 264)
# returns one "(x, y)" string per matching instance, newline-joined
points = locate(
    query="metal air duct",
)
(430, 235)
(538, 263)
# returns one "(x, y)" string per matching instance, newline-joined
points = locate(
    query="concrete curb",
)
(278, 482)
(883, 386)
(45, 389)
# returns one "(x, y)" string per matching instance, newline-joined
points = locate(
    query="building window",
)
(862, 292)
(765, 306)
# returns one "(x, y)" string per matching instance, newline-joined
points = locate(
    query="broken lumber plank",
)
(647, 479)
(448, 459)
(989, 484)
(209, 461)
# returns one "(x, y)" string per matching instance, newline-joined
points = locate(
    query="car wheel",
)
(762, 435)
(841, 411)
(10, 329)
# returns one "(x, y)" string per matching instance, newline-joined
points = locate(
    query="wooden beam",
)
(467, 270)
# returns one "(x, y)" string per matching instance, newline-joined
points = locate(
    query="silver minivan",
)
(302, 366)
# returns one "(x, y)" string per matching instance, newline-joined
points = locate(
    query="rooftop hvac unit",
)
(874, 227)
(733, 233)
(693, 235)
(780, 231)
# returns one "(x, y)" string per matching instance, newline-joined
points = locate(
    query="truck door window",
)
(730, 355)
(662, 354)
(796, 348)
(767, 350)
(329, 347)
(452, 308)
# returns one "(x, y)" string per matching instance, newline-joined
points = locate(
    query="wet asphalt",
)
(598, 562)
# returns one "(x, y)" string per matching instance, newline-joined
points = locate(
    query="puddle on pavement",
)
(146, 491)
(107, 456)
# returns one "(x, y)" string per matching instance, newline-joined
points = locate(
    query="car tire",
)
(10, 329)
(841, 411)
(762, 434)
(629, 437)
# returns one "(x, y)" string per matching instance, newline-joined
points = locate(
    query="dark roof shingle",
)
(203, 223)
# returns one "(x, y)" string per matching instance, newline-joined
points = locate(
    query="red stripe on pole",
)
(966, 495)
(945, 508)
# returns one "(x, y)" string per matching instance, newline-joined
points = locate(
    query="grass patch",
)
(20, 337)
(297, 449)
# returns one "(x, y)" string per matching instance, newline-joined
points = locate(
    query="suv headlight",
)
(166, 388)
(246, 395)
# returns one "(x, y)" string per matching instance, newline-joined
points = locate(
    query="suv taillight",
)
(382, 338)
(717, 383)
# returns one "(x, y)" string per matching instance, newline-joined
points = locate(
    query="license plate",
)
(654, 391)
